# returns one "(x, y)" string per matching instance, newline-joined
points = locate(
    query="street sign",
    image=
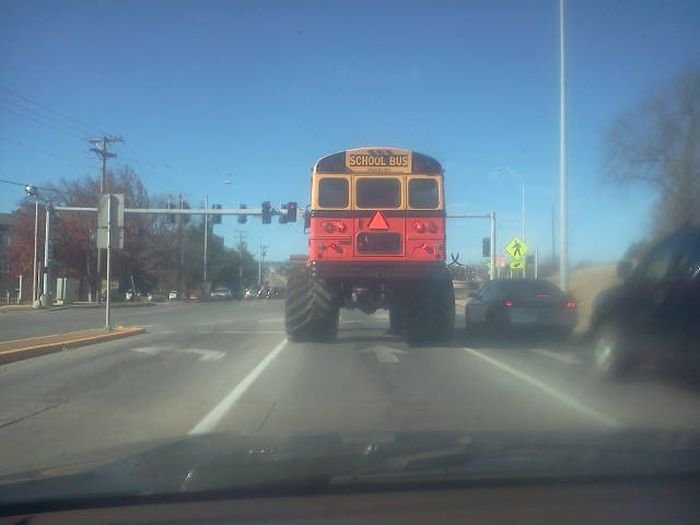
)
(517, 264)
(117, 221)
(516, 248)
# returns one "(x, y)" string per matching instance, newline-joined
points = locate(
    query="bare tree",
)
(657, 143)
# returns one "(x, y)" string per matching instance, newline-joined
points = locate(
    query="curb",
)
(34, 350)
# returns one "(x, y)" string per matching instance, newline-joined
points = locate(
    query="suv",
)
(654, 315)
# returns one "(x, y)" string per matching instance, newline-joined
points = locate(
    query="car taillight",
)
(419, 226)
(570, 305)
(508, 303)
(341, 227)
(432, 228)
(329, 227)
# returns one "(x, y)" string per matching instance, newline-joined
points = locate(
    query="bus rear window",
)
(378, 193)
(423, 194)
(333, 193)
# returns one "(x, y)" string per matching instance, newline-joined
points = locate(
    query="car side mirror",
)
(624, 270)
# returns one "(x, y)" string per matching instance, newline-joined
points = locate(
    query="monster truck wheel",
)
(430, 314)
(310, 311)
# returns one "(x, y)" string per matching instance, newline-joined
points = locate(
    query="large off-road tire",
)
(310, 310)
(612, 357)
(430, 311)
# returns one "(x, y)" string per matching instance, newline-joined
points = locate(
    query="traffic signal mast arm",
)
(195, 211)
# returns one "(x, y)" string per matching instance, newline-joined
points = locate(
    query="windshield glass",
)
(245, 241)
(378, 193)
(333, 193)
(423, 193)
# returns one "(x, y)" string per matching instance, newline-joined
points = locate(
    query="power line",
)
(85, 126)
(38, 150)
(25, 108)
(42, 123)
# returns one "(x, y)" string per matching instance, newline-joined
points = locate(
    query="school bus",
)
(376, 228)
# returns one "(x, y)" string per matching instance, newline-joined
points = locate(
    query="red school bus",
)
(377, 240)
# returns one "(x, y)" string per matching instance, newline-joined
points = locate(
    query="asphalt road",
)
(220, 367)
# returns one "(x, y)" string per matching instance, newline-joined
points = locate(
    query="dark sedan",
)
(533, 304)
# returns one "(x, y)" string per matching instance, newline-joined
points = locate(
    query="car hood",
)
(232, 461)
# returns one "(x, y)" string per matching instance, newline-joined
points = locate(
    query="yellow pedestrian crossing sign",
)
(517, 249)
(517, 264)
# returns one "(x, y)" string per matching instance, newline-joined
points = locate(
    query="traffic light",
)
(216, 219)
(266, 212)
(486, 247)
(291, 212)
(242, 219)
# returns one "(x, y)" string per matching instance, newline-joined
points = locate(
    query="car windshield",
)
(254, 241)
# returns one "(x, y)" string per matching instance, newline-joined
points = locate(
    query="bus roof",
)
(378, 160)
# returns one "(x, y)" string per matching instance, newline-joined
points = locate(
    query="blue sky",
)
(255, 92)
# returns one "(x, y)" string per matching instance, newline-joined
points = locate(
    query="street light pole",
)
(563, 218)
(206, 237)
(36, 241)
(522, 210)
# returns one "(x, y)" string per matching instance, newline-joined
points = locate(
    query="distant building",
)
(8, 282)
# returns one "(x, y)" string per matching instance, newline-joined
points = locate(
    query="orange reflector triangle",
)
(378, 222)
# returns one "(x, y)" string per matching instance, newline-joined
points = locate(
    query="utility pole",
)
(241, 245)
(100, 149)
(261, 256)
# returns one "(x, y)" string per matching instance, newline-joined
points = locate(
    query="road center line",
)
(209, 422)
(563, 398)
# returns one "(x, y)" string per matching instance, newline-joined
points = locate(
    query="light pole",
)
(563, 218)
(206, 238)
(32, 191)
(520, 180)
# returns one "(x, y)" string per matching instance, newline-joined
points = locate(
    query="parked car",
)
(654, 315)
(250, 293)
(156, 296)
(533, 304)
(173, 295)
(221, 293)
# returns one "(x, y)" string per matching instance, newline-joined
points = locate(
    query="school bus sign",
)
(378, 160)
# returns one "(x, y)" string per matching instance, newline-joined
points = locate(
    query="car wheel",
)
(611, 355)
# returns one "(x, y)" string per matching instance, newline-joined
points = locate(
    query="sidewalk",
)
(8, 308)
(18, 349)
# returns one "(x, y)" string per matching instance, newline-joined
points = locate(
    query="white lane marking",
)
(148, 350)
(563, 398)
(564, 358)
(203, 355)
(249, 332)
(209, 422)
(384, 354)
(271, 320)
